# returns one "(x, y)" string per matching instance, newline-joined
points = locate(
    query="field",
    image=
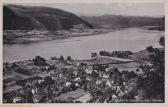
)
(106, 60)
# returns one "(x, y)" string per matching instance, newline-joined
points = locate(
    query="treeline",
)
(119, 54)
(118, 21)
(153, 83)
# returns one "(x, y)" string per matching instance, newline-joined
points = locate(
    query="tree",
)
(162, 41)
(69, 58)
(61, 58)
(150, 49)
(153, 82)
(53, 58)
(39, 61)
(48, 80)
(93, 54)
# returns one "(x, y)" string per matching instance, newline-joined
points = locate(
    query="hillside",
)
(118, 21)
(17, 17)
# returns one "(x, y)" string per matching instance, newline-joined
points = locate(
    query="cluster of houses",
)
(57, 81)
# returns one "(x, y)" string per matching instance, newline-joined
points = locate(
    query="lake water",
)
(133, 39)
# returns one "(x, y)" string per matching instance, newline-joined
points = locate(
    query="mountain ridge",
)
(114, 21)
(18, 17)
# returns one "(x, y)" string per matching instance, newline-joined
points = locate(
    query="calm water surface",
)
(133, 39)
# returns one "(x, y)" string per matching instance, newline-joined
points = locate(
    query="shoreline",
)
(34, 36)
(81, 60)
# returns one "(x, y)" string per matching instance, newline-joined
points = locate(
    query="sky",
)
(95, 9)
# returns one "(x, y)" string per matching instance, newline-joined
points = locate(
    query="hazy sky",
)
(131, 9)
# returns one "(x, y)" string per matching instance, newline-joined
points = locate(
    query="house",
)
(17, 99)
(33, 91)
(78, 27)
(88, 78)
(105, 75)
(68, 84)
(77, 79)
(107, 69)
(114, 96)
(75, 72)
(88, 71)
(108, 83)
(38, 97)
(77, 85)
(77, 64)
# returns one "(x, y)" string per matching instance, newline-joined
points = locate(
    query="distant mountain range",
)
(17, 17)
(118, 21)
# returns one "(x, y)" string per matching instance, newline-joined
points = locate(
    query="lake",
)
(133, 39)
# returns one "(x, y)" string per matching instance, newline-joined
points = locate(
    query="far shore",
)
(32, 36)
(24, 36)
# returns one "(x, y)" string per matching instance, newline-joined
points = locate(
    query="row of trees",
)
(61, 58)
(119, 54)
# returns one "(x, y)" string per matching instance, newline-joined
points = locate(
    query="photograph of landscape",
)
(83, 53)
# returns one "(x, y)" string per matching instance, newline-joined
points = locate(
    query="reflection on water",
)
(132, 39)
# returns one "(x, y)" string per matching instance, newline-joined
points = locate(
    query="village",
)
(65, 80)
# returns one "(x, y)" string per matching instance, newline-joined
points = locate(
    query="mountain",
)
(17, 17)
(114, 21)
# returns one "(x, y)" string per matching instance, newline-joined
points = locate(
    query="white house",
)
(77, 79)
(77, 85)
(67, 84)
(88, 71)
(108, 83)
